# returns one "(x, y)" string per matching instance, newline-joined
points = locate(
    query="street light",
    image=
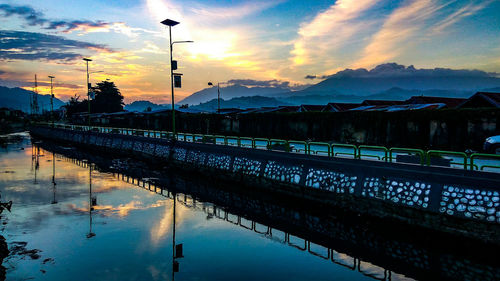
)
(88, 87)
(170, 23)
(218, 95)
(51, 100)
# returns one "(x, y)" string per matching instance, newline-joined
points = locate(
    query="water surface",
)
(128, 234)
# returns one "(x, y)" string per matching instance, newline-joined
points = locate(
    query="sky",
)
(285, 42)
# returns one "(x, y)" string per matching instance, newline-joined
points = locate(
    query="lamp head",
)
(51, 77)
(210, 84)
(87, 59)
(170, 22)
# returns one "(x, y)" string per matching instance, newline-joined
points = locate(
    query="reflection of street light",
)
(176, 249)
(92, 202)
(51, 100)
(170, 23)
(54, 177)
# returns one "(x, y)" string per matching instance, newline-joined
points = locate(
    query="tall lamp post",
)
(88, 87)
(170, 23)
(218, 95)
(51, 100)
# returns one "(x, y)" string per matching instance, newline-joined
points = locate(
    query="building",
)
(482, 100)
(310, 108)
(339, 107)
(449, 102)
(383, 102)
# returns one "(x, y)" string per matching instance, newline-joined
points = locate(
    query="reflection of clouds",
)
(121, 210)
(160, 230)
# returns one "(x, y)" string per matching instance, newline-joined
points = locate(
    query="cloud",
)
(19, 83)
(35, 18)
(266, 83)
(466, 11)
(329, 30)
(397, 70)
(207, 13)
(20, 45)
(408, 25)
(311, 77)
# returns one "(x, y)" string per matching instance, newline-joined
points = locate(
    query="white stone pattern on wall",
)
(117, 143)
(246, 166)
(162, 151)
(279, 172)
(108, 142)
(92, 140)
(78, 138)
(222, 162)
(196, 157)
(470, 203)
(127, 144)
(137, 146)
(179, 154)
(398, 191)
(148, 148)
(99, 141)
(330, 180)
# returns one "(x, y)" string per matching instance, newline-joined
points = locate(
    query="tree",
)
(107, 98)
(74, 105)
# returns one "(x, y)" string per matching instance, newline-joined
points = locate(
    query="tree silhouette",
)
(107, 98)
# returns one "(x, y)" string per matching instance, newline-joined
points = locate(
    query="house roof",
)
(399, 107)
(338, 106)
(449, 102)
(492, 98)
(311, 107)
(382, 102)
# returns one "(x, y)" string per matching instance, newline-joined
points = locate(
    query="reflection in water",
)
(227, 235)
(92, 202)
(54, 201)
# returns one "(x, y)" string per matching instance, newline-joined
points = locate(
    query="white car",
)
(492, 145)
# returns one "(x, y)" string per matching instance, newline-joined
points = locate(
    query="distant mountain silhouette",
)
(386, 76)
(142, 105)
(230, 92)
(18, 98)
(389, 81)
(391, 94)
(241, 102)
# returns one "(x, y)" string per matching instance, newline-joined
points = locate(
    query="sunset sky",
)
(283, 41)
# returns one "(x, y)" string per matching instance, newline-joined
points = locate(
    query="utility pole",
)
(88, 87)
(35, 98)
(51, 100)
(170, 23)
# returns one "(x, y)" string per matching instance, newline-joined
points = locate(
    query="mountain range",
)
(18, 98)
(389, 81)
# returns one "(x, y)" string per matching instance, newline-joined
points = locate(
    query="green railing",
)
(491, 162)
(483, 156)
(440, 154)
(370, 149)
(320, 148)
(345, 150)
(409, 152)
